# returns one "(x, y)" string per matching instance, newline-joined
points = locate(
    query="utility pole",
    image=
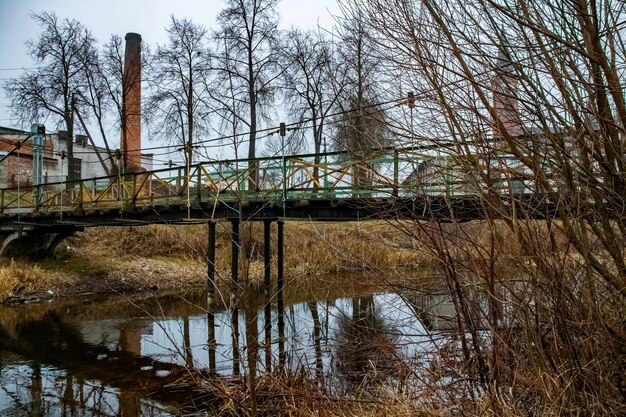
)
(39, 132)
(70, 142)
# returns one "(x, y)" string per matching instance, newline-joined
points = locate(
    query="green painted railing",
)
(381, 173)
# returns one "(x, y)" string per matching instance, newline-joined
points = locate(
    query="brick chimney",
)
(131, 129)
(505, 104)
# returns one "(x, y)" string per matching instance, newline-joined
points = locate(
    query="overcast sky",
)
(146, 17)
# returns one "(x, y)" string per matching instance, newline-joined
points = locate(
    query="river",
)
(130, 355)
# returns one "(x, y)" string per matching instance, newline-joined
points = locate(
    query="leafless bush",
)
(539, 84)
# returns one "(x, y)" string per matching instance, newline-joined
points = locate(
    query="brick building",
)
(17, 168)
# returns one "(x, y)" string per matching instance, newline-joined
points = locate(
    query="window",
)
(77, 164)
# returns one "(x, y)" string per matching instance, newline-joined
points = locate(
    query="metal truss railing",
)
(380, 173)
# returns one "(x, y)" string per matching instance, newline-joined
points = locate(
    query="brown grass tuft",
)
(20, 278)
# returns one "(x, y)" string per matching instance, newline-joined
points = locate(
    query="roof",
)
(12, 131)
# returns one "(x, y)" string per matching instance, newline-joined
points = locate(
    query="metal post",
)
(234, 281)
(211, 262)
(325, 167)
(212, 343)
(267, 286)
(234, 291)
(188, 181)
(150, 188)
(396, 170)
(279, 290)
(135, 193)
(282, 131)
(39, 132)
(70, 142)
(178, 184)
(199, 184)
(120, 186)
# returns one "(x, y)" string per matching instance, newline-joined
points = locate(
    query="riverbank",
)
(519, 291)
(132, 259)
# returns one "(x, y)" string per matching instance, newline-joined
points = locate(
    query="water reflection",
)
(70, 376)
(32, 389)
(111, 357)
(365, 346)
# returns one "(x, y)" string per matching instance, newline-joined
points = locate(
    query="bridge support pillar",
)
(279, 294)
(31, 244)
(212, 343)
(234, 293)
(267, 289)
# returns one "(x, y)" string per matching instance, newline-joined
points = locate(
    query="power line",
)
(21, 69)
(203, 143)
(270, 130)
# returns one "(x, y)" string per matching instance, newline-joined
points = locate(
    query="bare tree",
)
(312, 84)
(248, 65)
(62, 53)
(224, 92)
(361, 126)
(105, 90)
(527, 99)
(179, 71)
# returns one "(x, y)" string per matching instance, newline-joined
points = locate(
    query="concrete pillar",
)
(34, 244)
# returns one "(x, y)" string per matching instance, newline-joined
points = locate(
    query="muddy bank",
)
(25, 282)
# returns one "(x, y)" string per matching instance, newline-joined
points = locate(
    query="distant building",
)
(17, 168)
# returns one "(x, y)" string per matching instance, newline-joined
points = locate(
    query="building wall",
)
(90, 166)
(18, 167)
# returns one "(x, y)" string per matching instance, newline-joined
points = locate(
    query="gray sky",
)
(146, 17)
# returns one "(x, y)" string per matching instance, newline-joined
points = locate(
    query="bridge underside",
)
(442, 209)
(38, 233)
(32, 241)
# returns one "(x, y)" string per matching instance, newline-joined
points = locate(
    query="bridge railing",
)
(377, 173)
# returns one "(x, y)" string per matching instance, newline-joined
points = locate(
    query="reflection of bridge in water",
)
(102, 355)
(139, 351)
(151, 355)
(54, 342)
(103, 349)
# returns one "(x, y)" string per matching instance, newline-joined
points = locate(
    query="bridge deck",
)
(395, 183)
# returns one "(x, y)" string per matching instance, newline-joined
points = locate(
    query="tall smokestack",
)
(131, 127)
(505, 105)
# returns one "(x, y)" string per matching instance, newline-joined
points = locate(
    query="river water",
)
(117, 355)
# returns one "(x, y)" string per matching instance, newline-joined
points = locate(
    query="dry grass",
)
(109, 259)
(17, 278)
(310, 249)
(298, 395)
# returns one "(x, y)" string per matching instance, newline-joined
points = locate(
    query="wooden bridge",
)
(394, 183)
